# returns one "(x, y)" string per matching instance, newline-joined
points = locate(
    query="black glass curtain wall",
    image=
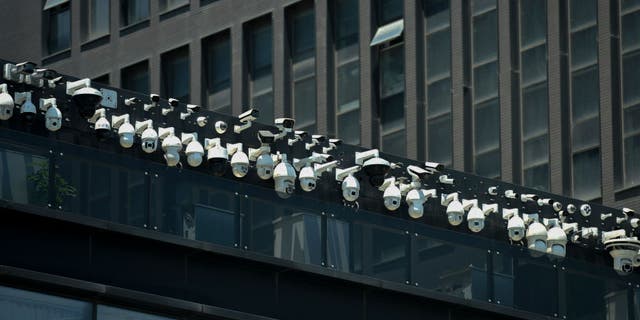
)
(630, 60)
(58, 29)
(175, 74)
(302, 45)
(217, 73)
(136, 77)
(260, 65)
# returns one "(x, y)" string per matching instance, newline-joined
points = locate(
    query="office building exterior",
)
(537, 93)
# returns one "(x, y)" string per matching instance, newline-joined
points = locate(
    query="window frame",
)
(87, 34)
(252, 72)
(48, 14)
(209, 44)
(292, 13)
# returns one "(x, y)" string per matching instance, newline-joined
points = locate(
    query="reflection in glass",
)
(175, 74)
(59, 29)
(27, 305)
(217, 73)
(260, 47)
(136, 77)
(392, 99)
(24, 178)
(630, 31)
(302, 39)
(378, 252)
(134, 11)
(347, 73)
(112, 313)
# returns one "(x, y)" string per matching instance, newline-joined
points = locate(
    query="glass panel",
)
(487, 126)
(303, 34)
(111, 313)
(584, 47)
(483, 5)
(451, 268)
(439, 54)
(136, 77)
(338, 245)
(437, 13)
(391, 71)
(346, 22)
(485, 80)
(439, 97)
(99, 18)
(394, 143)
(534, 65)
(349, 86)
(261, 47)
(534, 21)
(26, 305)
(584, 94)
(25, 178)
(217, 64)
(304, 92)
(349, 127)
(485, 37)
(261, 86)
(632, 160)
(631, 78)
(591, 295)
(392, 113)
(586, 133)
(488, 164)
(536, 151)
(439, 136)
(537, 177)
(134, 11)
(388, 32)
(583, 13)
(59, 37)
(389, 10)
(535, 119)
(630, 4)
(382, 253)
(631, 31)
(586, 174)
(166, 5)
(175, 74)
(632, 119)
(264, 103)
(194, 206)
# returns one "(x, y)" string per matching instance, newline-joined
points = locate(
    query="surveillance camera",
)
(25, 67)
(307, 179)
(415, 200)
(585, 210)
(131, 101)
(148, 136)
(264, 166)
(284, 176)
(333, 144)
(557, 241)
(6, 103)
(299, 135)
(154, 98)
(315, 140)
(84, 97)
(201, 121)
(528, 197)
(492, 191)
(53, 118)
(172, 146)
(392, 196)
(265, 137)
(571, 208)
(537, 237)
(221, 127)
(285, 123)
(194, 150)
(434, 166)
(27, 108)
(101, 124)
(239, 160)
(510, 194)
(444, 179)
(246, 118)
(350, 184)
(376, 169)
(126, 130)
(217, 156)
(417, 173)
(515, 224)
(624, 251)
(455, 211)
(628, 212)
(475, 218)
(173, 102)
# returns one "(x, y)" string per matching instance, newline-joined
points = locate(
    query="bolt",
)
(59, 207)
(49, 205)
(61, 154)
(155, 175)
(416, 284)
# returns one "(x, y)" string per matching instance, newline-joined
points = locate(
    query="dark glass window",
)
(438, 81)
(585, 100)
(260, 56)
(392, 99)
(136, 77)
(168, 5)
(24, 178)
(58, 28)
(347, 71)
(133, 11)
(389, 11)
(112, 313)
(103, 79)
(27, 305)
(175, 74)
(534, 110)
(303, 67)
(217, 67)
(96, 19)
(485, 102)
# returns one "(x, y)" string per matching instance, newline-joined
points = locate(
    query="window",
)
(95, 21)
(133, 11)
(438, 81)
(168, 5)
(630, 50)
(217, 73)
(391, 83)
(175, 74)
(485, 100)
(303, 67)
(103, 79)
(136, 77)
(260, 57)
(347, 71)
(534, 109)
(58, 27)
(585, 100)
(27, 305)
(111, 313)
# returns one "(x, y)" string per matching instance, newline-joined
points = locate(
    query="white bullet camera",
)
(171, 146)
(85, 98)
(194, 150)
(27, 108)
(52, 116)
(6, 103)
(217, 156)
(17, 72)
(434, 166)
(155, 99)
(148, 136)
(333, 144)
(392, 196)
(350, 184)
(126, 131)
(284, 176)
(515, 224)
(316, 139)
(239, 160)
(246, 118)
(299, 135)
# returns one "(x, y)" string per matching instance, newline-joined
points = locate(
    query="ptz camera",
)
(392, 196)
(194, 150)
(53, 115)
(374, 166)
(27, 108)
(6, 103)
(350, 184)
(624, 250)
(148, 136)
(476, 216)
(284, 176)
(126, 131)
(537, 238)
(557, 241)
(101, 124)
(84, 97)
(239, 160)
(172, 146)
(217, 156)
(515, 224)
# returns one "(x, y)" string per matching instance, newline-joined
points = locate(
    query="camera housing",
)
(217, 156)
(557, 241)
(392, 196)
(624, 250)
(246, 118)
(85, 98)
(239, 160)
(148, 136)
(537, 238)
(307, 178)
(284, 177)
(6, 103)
(515, 225)
(350, 184)
(172, 146)
(415, 200)
(126, 131)
(102, 126)
(194, 150)
(53, 118)
(475, 219)
(27, 108)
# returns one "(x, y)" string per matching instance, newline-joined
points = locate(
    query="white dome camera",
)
(475, 218)
(239, 160)
(85, 98)
(148, 136)
(537, 238)
(126, 131)
(194, 150)
(350, 184)
(217, 156)
(52, 116)
(264, 166)
(515, 224)
(624, 250)
(101, 124)
(27, 108)
(455, 212)
(6, 103)
(392, 196)
(284, 177)
(557, 241)
(172, 146)
(415, 200)
(307, 179)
